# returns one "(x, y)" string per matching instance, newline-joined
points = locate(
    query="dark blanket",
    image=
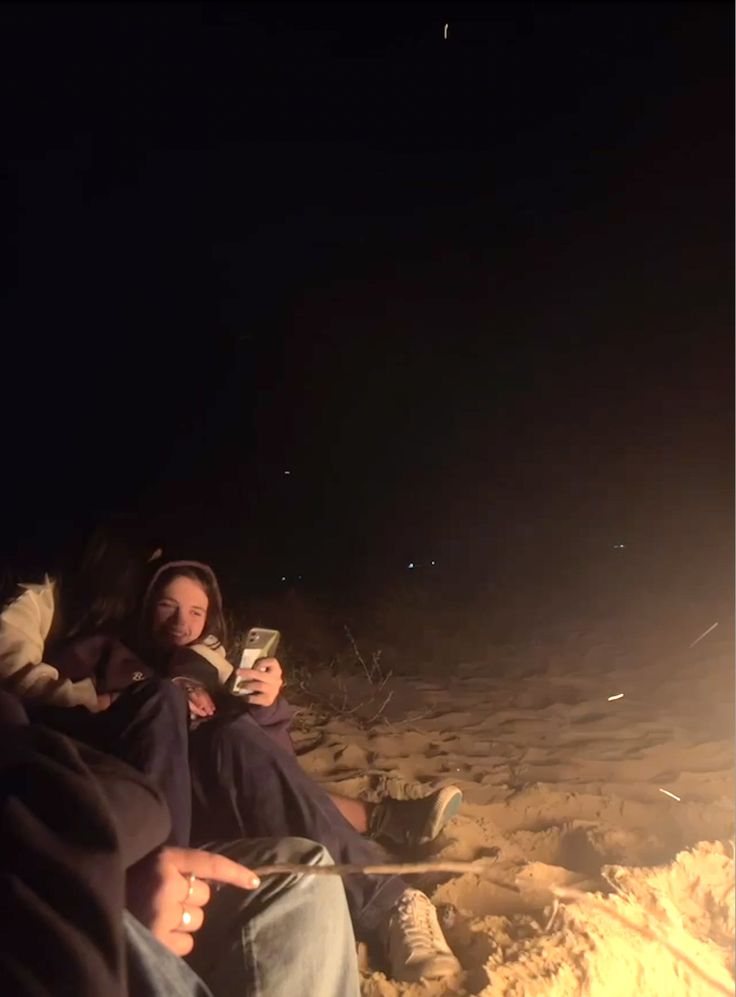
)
(114, 667)
(63, 859)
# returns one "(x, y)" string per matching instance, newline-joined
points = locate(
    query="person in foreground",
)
(247, 781)
(91, 905)
(60, 654)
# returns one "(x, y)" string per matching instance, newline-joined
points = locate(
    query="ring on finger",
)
(186, 918)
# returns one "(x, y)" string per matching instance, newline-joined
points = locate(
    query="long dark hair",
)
(214, 625)
(103, 594)
(98, 585)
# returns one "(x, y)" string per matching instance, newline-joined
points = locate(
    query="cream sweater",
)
(24, 627)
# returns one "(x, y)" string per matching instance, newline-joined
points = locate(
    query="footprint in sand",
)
(435, 750)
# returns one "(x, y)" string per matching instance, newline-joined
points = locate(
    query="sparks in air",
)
(704, 633)
(447, 27)
(619, 695)
(668, 793)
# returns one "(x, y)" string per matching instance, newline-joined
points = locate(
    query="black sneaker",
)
(415, 822)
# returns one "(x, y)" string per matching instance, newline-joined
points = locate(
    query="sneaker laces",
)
(417, 919)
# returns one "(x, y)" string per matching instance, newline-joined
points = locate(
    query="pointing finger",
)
(218, 868)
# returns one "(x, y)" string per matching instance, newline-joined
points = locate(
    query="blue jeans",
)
(290, 936)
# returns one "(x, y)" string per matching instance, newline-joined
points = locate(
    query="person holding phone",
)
(190, 641)
(247, 781)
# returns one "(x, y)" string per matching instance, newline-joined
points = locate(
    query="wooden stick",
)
(565, 893)
(480, 867)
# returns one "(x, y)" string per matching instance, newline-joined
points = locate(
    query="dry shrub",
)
(311, 636)
(352, 685)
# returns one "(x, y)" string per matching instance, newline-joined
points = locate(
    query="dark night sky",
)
(475, 294)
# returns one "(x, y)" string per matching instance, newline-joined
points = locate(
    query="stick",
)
(564, 893)
(480, 867)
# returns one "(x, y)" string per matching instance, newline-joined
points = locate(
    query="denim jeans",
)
(290, 936)
(154, 971)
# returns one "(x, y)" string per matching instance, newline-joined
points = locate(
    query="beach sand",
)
(563, 787)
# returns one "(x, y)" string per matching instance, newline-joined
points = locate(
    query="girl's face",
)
(180, 613)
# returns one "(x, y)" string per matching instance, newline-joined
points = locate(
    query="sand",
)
(564, 788)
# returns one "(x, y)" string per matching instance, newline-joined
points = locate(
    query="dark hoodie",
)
(73, 822)
(205, 663)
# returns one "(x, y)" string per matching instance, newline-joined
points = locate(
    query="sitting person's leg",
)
(73, 820)
(295, 935)
(245, 785)
(147, 727)
(402, 822)
(154, 971)
(152, 721)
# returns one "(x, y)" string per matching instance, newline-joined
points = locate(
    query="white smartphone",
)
(259, 643)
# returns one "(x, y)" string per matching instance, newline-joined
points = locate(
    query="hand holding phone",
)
(260, 644)
(263, 683)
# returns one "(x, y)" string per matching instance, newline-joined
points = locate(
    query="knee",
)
(160, 691)
(157, 700)
(303, 851)
(322, 892)
(166, 690)
(238, 738)
(254, 852)
(280, 851)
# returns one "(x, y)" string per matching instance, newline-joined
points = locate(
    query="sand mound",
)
(588, 950)
(602, 946)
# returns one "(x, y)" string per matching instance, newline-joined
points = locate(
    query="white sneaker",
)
(416, 945)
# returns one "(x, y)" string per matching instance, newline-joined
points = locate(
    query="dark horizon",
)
(474, 294)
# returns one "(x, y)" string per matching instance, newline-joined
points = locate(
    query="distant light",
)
(619, 695)
(298, 578)
(283, 578)
(446, 29)
(410, 564)
(287, 472)
(433, 562)
(619, 546)
(668, 793)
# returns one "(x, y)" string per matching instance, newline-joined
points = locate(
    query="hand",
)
(200, 702)
(105, 701)
(264, 680)
(167, 892)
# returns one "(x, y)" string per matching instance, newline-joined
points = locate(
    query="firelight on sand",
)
(673, 865)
